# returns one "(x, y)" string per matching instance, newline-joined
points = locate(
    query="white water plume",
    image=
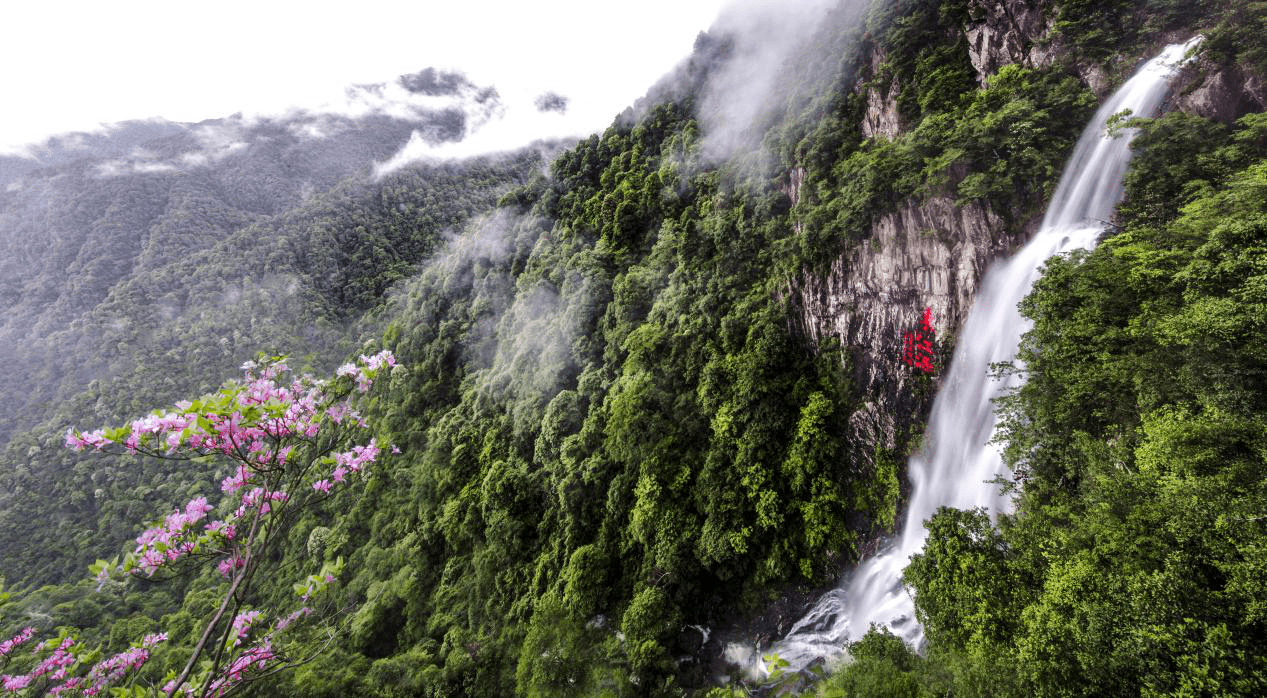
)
(958, 463)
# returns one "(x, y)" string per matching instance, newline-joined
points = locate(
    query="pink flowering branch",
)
(290, 444)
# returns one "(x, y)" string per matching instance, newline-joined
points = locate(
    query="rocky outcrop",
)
(793, 187)
(1023, 32)
(881, 118)
(1222, 93)
(1005, 32)
(930, 254)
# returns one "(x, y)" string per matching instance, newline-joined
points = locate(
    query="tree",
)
(291, 445)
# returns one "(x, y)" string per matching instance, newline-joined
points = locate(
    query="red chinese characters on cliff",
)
(918, 349)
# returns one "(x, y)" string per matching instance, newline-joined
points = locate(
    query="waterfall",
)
(957, 463)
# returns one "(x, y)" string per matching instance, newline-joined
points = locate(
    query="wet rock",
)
(882, 118)
(928, 254)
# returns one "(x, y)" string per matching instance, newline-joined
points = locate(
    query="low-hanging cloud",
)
(430, 81)
(765, 59)
(551, 101)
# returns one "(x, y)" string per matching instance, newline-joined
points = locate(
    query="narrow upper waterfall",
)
(957, 464)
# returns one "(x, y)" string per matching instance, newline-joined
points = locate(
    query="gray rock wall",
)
(930, 254)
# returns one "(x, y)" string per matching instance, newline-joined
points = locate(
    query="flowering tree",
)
(290, 445)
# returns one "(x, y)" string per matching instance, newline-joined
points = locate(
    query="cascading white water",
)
(958, 463)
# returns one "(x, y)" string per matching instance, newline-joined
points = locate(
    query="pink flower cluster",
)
(353, 461)
(167, 541)
(229, 564)
(17, 640)
(56, 666)
(258, 498)
(13, 684)
(259, 425)
(242, 625)
(286, 622)
(110, 670)
(372, 364)
(95, 439)
(259, 657)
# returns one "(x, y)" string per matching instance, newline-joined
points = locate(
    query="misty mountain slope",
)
(107, 208)
(648, 395)
(613, 422)
(626, 419)
(298, 283)
(132, 280)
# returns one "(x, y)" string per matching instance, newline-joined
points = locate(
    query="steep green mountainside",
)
(623, 426)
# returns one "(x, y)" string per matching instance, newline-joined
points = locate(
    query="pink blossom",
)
(225, 529)
(322, 486)
(14, 642)
(242, 625)
(234, 482)
(79, 441)
(283, 623)
(196, 509)
(337, 412)
(58, 661)
(377, 361)
(111, 670)
(14, 684)
(70, 684)
(150, 561)
(227, 565)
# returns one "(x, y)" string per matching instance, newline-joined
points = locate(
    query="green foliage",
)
(1003, 145)
(1134, 561)
(881, 665)
(1011, 136)
(169, 322)
(612, 426)
(1097, 30)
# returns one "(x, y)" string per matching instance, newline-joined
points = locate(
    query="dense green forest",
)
(614, 428)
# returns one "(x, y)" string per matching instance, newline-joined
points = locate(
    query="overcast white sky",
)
(68, 66)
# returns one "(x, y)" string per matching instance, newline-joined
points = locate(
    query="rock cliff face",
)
(1222, 93)
(881, 118)
(926, 255)
(1006, 32)
(932, 253)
